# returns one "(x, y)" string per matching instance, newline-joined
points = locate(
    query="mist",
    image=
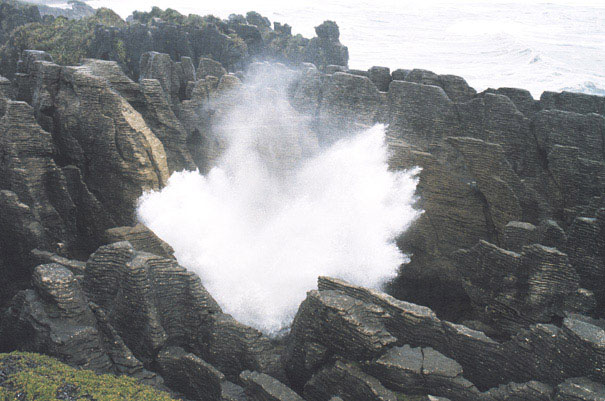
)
(279, 209)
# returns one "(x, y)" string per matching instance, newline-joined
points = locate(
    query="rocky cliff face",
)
(234, 42)
(497, 166)
(503, 298)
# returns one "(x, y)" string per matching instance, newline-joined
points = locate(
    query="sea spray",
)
(278, 210)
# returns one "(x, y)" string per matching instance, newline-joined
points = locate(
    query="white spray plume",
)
(278, 211)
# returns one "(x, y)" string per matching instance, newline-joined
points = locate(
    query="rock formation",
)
(503, 297)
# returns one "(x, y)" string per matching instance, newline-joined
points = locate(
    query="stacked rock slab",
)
(127, 311)
(454, 362)
(487, 159)
(55, 318)
(511, 291)
(36, 206)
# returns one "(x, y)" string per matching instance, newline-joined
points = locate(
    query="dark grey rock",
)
(554, 127)
(207, 67)
(522, 99)
(420, 114)
(580, 389)
(347, 381)
(518, 234)
(423, 371)
(326, 49)
(348, 101)
(511, 290)
(575, 102)
(456, 88)
(399, 74)
(190, 375)
(262, 387)
(331, 69)
(381, 77)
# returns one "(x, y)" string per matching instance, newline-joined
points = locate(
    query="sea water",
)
(532, 44)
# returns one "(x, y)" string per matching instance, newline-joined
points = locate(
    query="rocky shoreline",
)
(502, 300)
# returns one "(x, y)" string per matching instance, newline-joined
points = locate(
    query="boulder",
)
(189, 374)
(347, 381)
(326, 49)
(423, 371)
(262, 387)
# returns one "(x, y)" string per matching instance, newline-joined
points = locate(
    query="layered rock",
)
(487, 160)
(141, 238)
(56, 319)
(99, 132)
(510, 291)
(125, 311)
(455, 362)
(326, 48)
(37, 208)
(517, 183)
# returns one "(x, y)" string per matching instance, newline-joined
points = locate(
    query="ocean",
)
(536, 45)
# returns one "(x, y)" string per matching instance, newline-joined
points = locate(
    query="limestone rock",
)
(190, 375)
(356, 330)
(522, 99)
(381, 77)
(574, 102)
(233, 347)
(119, 280)
(307, 91)
(262, 387)
(141, 238)
(423, 371)
(542, 353)
(554, 127)
(400, 74)
(347, 381)
(348, 100)
(25, 73)
(580, 389)
(419, 114)
(161, 119)
(55, 319)
(522, 392)
(423, 77)
(517, 234)
(6, 88)
(108, 140)
(500, 185)
(495, 119)
(514, 290)
(456, 88)
(585, 247)
(207, 67)
(331, 69)
(326, 48)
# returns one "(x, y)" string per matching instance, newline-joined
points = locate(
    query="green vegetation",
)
(29, 377)
(66, 40)
(174, 17)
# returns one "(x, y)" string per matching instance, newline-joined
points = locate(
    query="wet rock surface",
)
(503, 298)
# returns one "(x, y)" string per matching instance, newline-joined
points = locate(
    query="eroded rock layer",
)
(504, 295)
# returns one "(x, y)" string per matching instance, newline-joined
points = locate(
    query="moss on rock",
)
(28, 376)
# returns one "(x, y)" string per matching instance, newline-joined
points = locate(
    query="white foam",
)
(278, 211)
